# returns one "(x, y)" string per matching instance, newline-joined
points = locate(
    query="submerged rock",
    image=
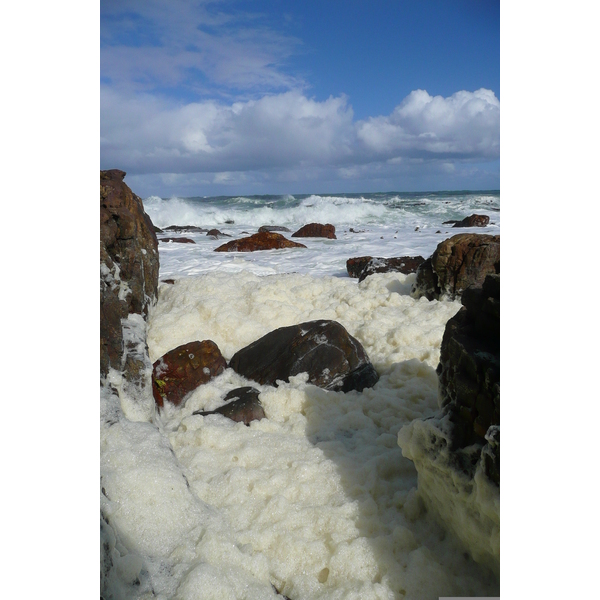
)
(266, 228)
(259, 241)
(181, 228)
(179, 240)
(244, 407)
(183, 369)
(458, 263)
(316, 230)
(333, 359)
(216, 234)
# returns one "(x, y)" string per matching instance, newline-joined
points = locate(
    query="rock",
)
(243, 408)
(128, 265)
(351, 230)
(182, 228)
(183, 369)
(157, 229)
(471, 221)
(316, 230)
(458, 263)
(169, 281)
(266, 228)
(216, 234)
(402, 264)
(333, 359)
(259, 241)
(179, 240)
(355, 266)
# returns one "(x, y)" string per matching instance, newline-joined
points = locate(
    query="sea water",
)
(317, 500)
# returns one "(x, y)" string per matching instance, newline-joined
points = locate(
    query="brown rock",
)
(216, 234)
(183, 369)
(471, 221)
(179, 240)
(458, 263)
(259, 241)
(244, 407)
(355, 266)
(316, 230)
(128, 264)
(333, 359)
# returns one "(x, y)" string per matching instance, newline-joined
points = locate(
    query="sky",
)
(228, 97)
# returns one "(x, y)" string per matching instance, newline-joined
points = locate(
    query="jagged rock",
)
(471, 221)
(179, 240)
(402, 264)
(183, 369)
(333, 359)
(316, 230)
(458, 263)
(128, 264)
(266, 228)
(259, 241)
(244, 407)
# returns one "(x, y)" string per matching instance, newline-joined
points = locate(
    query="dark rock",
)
(316, 230)
(180, 240)
(186, 228)
(243, 408)
(333, 359)
(216, 234)
(402, 264)
(157, 229)
(458, 263)
(259, 241)
(183, 369)
(266, 228)
(351, 230)
(169, 281)
(355, 266)
(469, 374)
(471, 221)
(128, 264)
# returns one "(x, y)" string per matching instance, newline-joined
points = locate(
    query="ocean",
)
(317, 500)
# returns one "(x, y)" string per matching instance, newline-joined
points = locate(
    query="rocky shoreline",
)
(463, 437)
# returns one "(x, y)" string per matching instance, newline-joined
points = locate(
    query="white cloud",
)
(143, 134)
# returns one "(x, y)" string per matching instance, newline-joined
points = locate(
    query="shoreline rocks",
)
(458, 263)
(244, 406)
(179, 240)
(259, 241)
(470, 221)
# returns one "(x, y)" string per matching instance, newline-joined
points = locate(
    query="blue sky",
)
(254, 97)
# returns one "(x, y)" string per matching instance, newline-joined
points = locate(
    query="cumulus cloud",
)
(144, 134)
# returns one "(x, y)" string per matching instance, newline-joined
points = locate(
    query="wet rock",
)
(169, 281)
(185, 228)
(216, 234)
(266, 228)
(259, 241)
(316, 230)
(355, 266)
(128, 264)
(401, 264)
(179, 240)
(333, 359)
(244, 407)
(471, 221)
(183, 369)
(458, 263)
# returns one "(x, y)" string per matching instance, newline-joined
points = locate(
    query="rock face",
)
(457, 452)
(402, 264)
(333, 359)
(469, 372)
(471, 221)
(259, 241)
(316, 230)
(244, 407)
(458, 263)
(183, 369)
(128, 266)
